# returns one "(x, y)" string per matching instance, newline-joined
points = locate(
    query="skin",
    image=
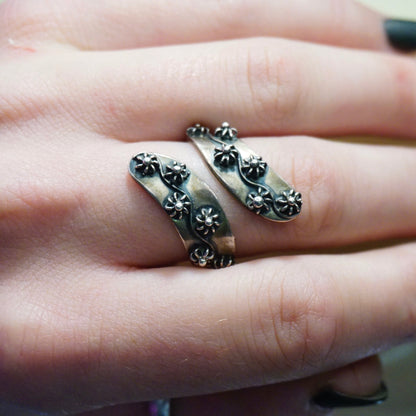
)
(95, 310)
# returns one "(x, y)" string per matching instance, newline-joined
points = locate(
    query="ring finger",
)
(350, 197)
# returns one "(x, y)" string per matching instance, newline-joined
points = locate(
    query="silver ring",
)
(192, 206)
(245, 174)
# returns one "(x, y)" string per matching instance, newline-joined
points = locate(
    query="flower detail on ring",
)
(289, 203)
(225, 260)
(226, 132)
(176, 173)
(226, 155)
(197, 130)
(178, 205)
(147, 163)
(207, 221)
(201, 256)
(254, 167)
(259, 201)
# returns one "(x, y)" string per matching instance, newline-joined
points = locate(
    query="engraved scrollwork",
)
(254, 167)
(146, 164)
(226, 132)
(289, 203)
(260, 201)
(178, 205)
(176, 173)
(201, 256)
(207, 221)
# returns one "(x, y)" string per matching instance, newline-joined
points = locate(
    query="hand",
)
(93, 309)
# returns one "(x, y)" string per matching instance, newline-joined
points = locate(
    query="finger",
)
(113, 24)
(358, 379)
(80, 338)
(285, 399)
(350, 197)
(344, 193)
(262, 86)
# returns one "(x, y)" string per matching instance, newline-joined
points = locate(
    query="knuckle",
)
(295, 321)
(270, 81)
(36, 203)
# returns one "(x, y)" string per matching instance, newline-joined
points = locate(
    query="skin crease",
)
(91, 314)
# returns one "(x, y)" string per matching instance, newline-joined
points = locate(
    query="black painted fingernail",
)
(333, 399)
(401, 34)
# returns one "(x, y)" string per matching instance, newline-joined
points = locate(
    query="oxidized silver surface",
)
(245, 174)
(191, 205)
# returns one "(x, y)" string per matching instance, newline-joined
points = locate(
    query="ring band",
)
(245, 174)
(192, 206)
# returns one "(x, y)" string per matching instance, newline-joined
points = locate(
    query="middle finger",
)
(349, 197)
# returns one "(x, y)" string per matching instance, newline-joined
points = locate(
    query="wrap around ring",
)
(245, 174)
(192, 206)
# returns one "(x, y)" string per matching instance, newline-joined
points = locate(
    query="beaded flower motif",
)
(147, 163)
(260, 201)
(178, 205)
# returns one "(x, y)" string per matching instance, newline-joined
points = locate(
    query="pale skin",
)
(95, 311)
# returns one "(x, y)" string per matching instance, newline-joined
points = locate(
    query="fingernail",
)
(333, 399)
(401, 34)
